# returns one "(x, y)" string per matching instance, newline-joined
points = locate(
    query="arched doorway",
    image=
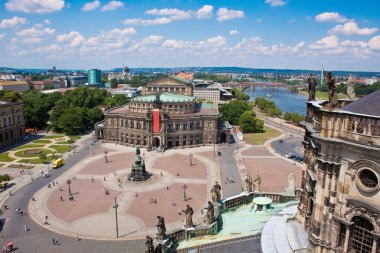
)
(361, 239)
(170, 142)
(156, 142)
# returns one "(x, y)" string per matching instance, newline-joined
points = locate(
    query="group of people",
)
(20, 211)
(54, 184)
(152, 201)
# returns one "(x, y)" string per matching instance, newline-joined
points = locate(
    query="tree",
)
(72, 121)
(113, 83)
(13, 96)
(249, 123)
(267, 106)
(294, 117)
(231, 111)
(239, 95)
(43, 157)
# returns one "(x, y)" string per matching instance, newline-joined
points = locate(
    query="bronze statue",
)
(312, 86)
(210, 213)
(248, 183)
(351, 87)
(216, 192)
(189, 216)
(257, 183)
(161, 228)
(330, 81)
(149, 248)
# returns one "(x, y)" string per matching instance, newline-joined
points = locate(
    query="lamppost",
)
(115, 206)
(68, 182)
(191, 159)
(184, 187)
(105, 156)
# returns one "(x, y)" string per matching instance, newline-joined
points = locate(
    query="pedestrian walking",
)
(92, 180)
(54, 242)
(46, 220)
(61, 198)
(53, 183)
(26, 228)
(167, 187)
(161, 174)
(49, 186)
(56, 182)
(104, 178)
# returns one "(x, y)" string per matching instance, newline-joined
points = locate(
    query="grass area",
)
(60, 148)
(55, 136)
(5, 158)
(37, 160)
(42, 141)
(21, 153)
(28, 146)
(261, 138)
(62, 142)
(74, 137)
(322, 95)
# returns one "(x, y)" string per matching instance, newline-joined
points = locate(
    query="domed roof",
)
(126, 69)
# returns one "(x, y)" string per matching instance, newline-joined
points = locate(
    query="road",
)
(39, 239)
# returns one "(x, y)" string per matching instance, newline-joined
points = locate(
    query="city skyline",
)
(255, 34)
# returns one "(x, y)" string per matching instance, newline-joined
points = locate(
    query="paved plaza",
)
(91, 214)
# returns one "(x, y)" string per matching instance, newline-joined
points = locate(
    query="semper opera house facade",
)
(166, 115)
(340, 199)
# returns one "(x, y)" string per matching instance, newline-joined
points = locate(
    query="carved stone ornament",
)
(363, 212)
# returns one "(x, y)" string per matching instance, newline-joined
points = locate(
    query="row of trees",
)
(294, 117)
(214, 77)
(241, 112)
(239, 94)
(267, 106)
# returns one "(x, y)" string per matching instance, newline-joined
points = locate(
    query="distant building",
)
(370, 81)
(184, 75)
(46, 84)
(94, 76)
(172, 84)
(15, 85)
(340, 198)
(76, 81)
(10, 77)
(124, 75)
(128, 92)
(12, 125)
(207, 94)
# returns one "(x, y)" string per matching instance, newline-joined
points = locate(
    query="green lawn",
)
(60, 148)
(261, 138)
(55, 136)
(21, 153)
(5, 158)
(42, 141)
(36, 160)
(62, 142)
(28, 146)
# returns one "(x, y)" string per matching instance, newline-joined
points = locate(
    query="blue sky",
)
(295, 34)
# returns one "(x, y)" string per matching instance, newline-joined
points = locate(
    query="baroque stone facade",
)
(340, 199)
(165, 116)
(12, 125)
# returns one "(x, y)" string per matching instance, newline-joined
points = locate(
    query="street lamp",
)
(115, 206)
(105, 156)
(68, 182)
(191, 159)
(184, 187)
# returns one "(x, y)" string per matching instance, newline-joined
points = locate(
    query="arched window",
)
(361, 239)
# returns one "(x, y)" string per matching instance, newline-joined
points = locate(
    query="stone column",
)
(346, 239)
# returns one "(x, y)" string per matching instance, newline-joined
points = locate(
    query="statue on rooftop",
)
(257, 183)
(351, 87)
(312, 86)
(248, 183)
(189, 216)
(149, 248)
(330, 81)
(157, 102)
(210, 212)
(216, 192)
(161, 228)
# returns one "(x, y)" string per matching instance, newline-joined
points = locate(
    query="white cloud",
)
(145, 45)
(330, 17)
(47, 21)
(275, 2)
(298, 47)
(73, 38)
(32, 40)
(227, 14)
(152, 39)
(35, 6)
(212, 43)
(328, 42)
(233, 32)
(36, 32)
(112, 5)
(2, 35)
(374, 43)
(90, 6)
(173, 14)
(351, 28)
(15, 21)
(217, 41)
(292, 20)
(351, 43)
(205, 12)
(146, 22)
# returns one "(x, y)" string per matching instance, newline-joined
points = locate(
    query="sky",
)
(105, 34)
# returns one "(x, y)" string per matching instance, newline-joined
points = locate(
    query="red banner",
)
(156, 120)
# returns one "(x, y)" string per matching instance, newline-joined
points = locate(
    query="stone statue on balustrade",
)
(149, 248)
(210, 213)
(351, 87)
(330, 81)
(216, 192)
(257, 183)
(312, 87)
(189, 216)
(161, 228)
(248, 183)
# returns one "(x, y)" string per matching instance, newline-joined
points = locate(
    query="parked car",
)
(290, 155)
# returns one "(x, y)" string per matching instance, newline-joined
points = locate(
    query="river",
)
(286, 101)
